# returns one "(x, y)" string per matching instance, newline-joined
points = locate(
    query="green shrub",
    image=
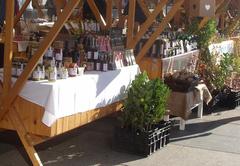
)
(146, 102)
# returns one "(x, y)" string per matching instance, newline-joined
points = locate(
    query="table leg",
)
(166, 117)
(182, 124)
(200, 109)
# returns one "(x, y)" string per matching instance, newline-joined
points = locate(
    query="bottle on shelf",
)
(52, 71)
(105, 63)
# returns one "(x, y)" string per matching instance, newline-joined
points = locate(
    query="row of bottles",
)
(166, 45)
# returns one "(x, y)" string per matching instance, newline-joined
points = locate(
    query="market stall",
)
(52, 56)
(78, 86)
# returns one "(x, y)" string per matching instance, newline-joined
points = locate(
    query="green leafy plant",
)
(146, 102)
(236, 64)
(217, 71)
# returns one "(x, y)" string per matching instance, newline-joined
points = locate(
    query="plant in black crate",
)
(143, 130)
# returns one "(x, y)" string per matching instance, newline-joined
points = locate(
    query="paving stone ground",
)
(213, 140)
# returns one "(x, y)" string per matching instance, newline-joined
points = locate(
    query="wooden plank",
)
(39, 53)
(71, 122)
(59, 126)
(21, 11)
(109, 4)
(32, 114)
(160, 29)
(59, 5)
(8, 54)
(145, 26)
(36, 139)
(130, 21)
(153, 67)
(22, 133)
(97, 14)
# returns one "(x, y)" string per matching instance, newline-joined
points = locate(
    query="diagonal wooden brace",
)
(97, 13)
(144, 27)
(160, 29)
(15, 90)
(22, 133)
(21, 11)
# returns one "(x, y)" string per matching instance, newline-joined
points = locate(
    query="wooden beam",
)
(45, 44)
(131, 20)
(8, 53)
(97, 14)
(203, 22)
(144, 7)
(160, 29)
(147, 24)
(21, 11)
(59, 4)
(109, 4)
(22, 133)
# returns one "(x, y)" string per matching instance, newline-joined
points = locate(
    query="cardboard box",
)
(202, 8)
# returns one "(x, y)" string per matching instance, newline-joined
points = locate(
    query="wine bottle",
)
(105, 63)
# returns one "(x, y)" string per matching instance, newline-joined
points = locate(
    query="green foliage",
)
(146, 102)
(205, 34)
(217, 72)
(236, 64)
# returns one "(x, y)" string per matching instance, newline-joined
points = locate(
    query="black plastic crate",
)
(142, 143)
(230, 99)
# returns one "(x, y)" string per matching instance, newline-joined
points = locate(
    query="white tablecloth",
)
(79, 94)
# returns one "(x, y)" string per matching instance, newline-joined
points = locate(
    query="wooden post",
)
(21, 11)
(22, 133)
(131, 21)
(160, 29)
(97, 14)
(15, 90)
(7, 75)
(146, 24)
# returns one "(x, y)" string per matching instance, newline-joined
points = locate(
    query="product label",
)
(58, 56)
(105, 67)
(95, 55)
(89, 55)
(53, 76)
(98, 66)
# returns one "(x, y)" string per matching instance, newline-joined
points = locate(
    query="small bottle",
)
(52, 72)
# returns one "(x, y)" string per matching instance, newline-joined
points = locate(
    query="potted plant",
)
(143, 130)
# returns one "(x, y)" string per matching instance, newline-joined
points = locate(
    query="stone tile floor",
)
(211, 141)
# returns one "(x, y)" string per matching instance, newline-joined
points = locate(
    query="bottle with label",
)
(98, 63)
(37, 74)
(52, 71)
(105, 63)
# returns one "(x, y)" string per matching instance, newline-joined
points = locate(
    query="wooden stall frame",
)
(9, 95)
(12, 106)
